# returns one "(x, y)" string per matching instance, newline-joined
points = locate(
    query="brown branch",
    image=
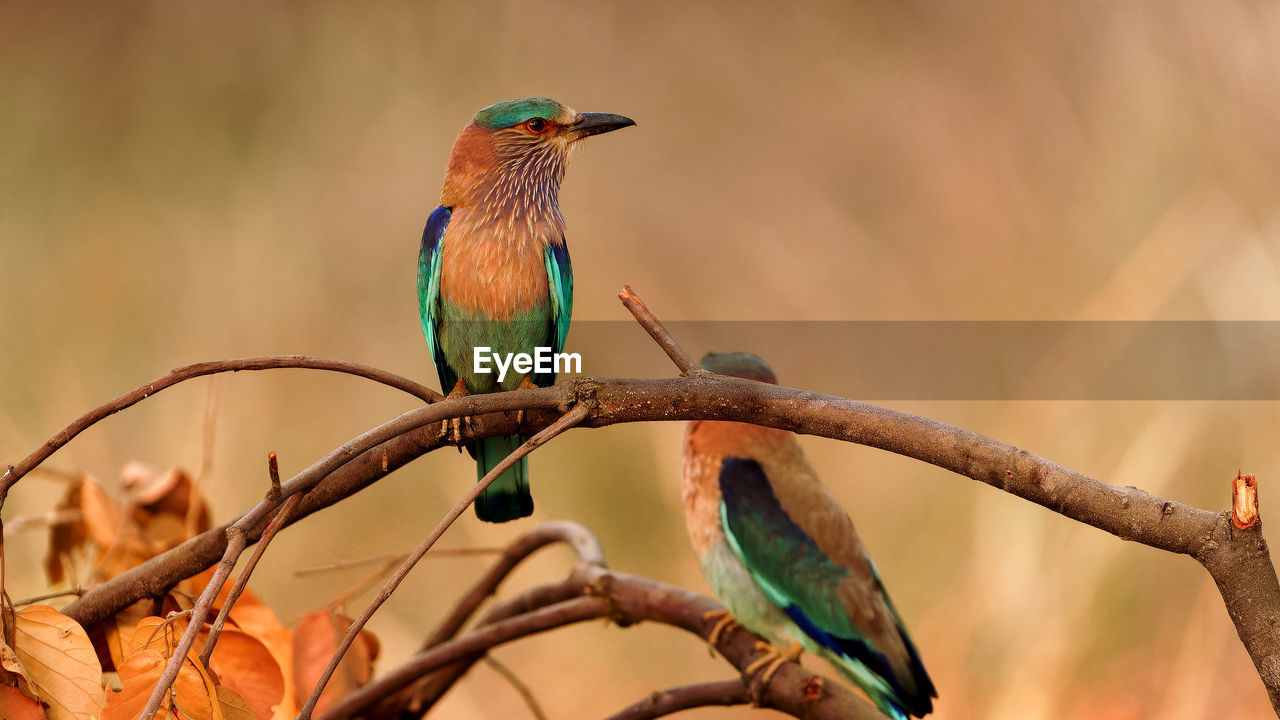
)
(371, 455)
(1238, 560)
(242, 581)
(1244, 501)
(552, 616)
(1233, 557)
(518, 685)
(567, 421)
(658, 332)
(198, 614)
(187, 372)
(425, 694)
(673, 700)
(627, 600)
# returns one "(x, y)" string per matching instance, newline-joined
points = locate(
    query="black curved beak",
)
(589, 124)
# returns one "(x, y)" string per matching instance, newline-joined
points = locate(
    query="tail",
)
(508, 497)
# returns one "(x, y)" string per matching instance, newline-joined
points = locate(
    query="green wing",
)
(429, 258)
(805, 583)
(560, 284)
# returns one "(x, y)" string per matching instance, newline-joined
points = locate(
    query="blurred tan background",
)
(181, 183)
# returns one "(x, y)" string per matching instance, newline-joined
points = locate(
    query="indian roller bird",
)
(494, 270)
(783, 556)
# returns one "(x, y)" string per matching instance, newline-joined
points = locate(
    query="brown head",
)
(739, 364)
(513, 154)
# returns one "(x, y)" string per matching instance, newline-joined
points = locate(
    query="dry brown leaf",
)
(110, 637)
(139, 674)
(60, 661)
(261, 622)
(153, 633)
(233, 706)
(12, 670)
(16, 706)
(244, 664)
(314, 642)
(195, 693)
(171, 492)
(99, 523)
(196, 584)
(193, 690)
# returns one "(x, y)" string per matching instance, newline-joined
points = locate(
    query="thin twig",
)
(673, 700)
(198, 614)
(568, 420)
(60, 516)
(339, 603)
(345, 564)
(77, 591)
(273, 471)
(242, 581)
(187, 372)
(396, 557)
(658, 332)
(515, 682)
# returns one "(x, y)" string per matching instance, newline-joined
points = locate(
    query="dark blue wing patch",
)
(434, 230)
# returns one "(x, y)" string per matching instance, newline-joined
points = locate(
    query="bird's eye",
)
(535, 125)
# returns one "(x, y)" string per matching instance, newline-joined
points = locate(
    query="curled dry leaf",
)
(314, 641)
(11, 669)
(59, 661)
(171, 492)
(99, 525)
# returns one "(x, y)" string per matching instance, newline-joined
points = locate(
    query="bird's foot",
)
(525, 384)
(451, 428)
(768, 664)
(724, 623)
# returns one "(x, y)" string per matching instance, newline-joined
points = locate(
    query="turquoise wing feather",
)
(560, 284)
(429, 260)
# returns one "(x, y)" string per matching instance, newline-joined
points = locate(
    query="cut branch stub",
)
(1244, 501)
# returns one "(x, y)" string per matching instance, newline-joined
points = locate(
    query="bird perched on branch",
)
(784, 558)
(494, 268)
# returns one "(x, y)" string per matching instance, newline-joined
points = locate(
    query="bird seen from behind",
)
(783, 556)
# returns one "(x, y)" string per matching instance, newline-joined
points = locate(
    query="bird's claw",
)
(769, 663)
(525, 384)
(724, 623)
(451, 428)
